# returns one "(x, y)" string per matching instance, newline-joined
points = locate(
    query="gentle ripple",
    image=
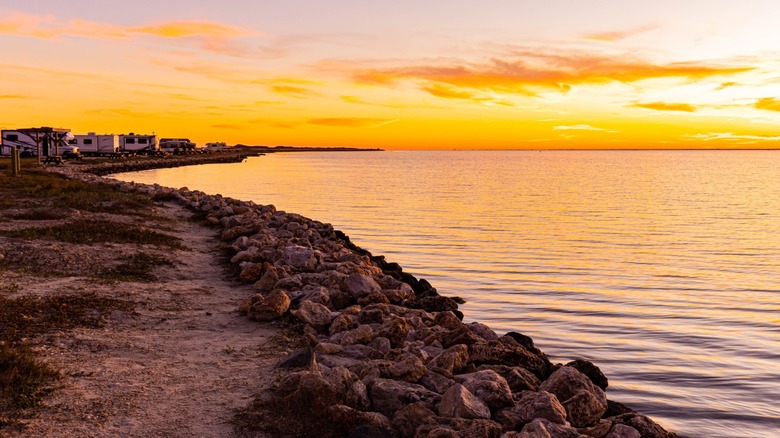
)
(661, 267)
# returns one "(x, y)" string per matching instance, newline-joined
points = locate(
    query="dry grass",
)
(138, 267)
(89, 231)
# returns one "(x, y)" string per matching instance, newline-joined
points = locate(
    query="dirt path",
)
(179, 365)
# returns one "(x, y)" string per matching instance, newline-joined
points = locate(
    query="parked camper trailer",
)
(177, 145)
(93, 144)
(218, 146)
(49, 141)
(137, 143)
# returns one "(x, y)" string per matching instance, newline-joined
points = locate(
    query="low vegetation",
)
(72, 212)
(89, 231)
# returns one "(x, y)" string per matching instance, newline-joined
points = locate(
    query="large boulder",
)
(519, 379)
(500, 353)
(269, 307)
(646, 427)
(542, 404)
(623, 431)
(314, 314)
(389, 396)
(360, 285)
(450, 361)
(489, 387)
(461, 403)
(592, 371)
(541, 428)
(412, 416)
(584, 402)
(363, 334)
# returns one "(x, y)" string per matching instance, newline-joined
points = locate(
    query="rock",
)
(412, 416)
(450, 361)
(373, 298)
(584, 402)
(460, 335)
(599, 430)
(269, 279)
(247, 255)
(251, 272)
(461, 403)
(489, 387)
(541, 404)
(381, 344)
(436, 382)
(482, 331)
(360, 285)
(623, 431)
(357, 397)
(591, 371)
(448, 320)
(518, 378)
(269, 307)
(369, 424)
(389, 396)
(460, 428)
(646, 427)
(395, 329)
(409, 369)
(314, 314)
(541, 428)
(304, 358)
(363, 334)
(328, 348)
(299, 257)
(499, 353)
(342, 323)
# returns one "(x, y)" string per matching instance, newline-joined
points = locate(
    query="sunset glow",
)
(433, 75)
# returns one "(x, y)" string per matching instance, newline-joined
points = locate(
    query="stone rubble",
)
(389, 355)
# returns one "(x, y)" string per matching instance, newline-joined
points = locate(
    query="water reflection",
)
(662, 267)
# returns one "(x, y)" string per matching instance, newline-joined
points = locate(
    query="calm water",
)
(661, 267)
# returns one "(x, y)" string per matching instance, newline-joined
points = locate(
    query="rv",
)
(137, 143)
(49, 141)
(218, 146)
(177, 145)
(93, 144)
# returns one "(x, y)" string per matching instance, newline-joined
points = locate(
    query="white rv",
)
(177, 145)
(93, 144)
(138, 143)
(50, 141)
(218, 146)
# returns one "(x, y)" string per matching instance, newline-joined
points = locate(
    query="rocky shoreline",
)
(387, 354)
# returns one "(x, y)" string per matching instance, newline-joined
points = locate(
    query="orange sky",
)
(434, 74)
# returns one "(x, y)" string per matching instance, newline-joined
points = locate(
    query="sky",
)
(424, 74)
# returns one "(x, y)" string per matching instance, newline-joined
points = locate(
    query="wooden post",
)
(38, 145)
(14, 162)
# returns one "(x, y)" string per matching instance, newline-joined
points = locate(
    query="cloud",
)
(228, 126)
(211, 36)
(664, 106)
(351, 122)
(528, 71)
(768, 103)
(731, 136)
(725, 85)
(578, 128)
(293, 91)
(11, 96)
(619, 35)
(352, 99)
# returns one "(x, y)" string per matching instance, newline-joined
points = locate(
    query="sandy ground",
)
(179, 365)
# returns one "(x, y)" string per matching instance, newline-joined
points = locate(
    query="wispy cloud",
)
(666, 106)
(11, 96)
(768, 103)
(351, 122)
(620, 34)
(231, 126)
(578, 128)
(710, 136)
(290, 90)
(211, 36)
(725, 85)
(529, 71)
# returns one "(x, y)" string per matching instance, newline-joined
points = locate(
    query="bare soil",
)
(181, 363)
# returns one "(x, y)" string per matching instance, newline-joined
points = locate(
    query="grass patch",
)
(64, 193)
(24, 379)
(27, 316)
(138, 267)
(41, 214)
(88, 231)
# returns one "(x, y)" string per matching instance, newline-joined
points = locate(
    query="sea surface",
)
(662, 267)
